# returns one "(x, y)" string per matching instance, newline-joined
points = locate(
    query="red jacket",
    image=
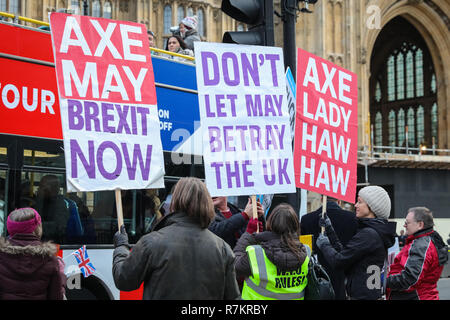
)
(417, 268)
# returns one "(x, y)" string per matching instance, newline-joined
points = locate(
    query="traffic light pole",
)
(289, 14)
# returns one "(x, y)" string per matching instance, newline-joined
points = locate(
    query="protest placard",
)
(326, 130)
(108, 104)
(245, 121)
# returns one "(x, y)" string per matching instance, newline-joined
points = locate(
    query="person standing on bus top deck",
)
(368, 247)
(345, 224)
(188, 31)
(418, 267)
(29, 268)
(176, 44)
(278, 256)
(230, 222)
(180, 258)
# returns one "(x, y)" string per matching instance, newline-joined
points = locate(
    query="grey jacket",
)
(178, 260)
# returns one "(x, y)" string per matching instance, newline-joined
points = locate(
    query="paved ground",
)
(444, 288)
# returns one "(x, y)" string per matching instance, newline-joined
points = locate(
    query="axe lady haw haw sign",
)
(326, 130)
(108, 104)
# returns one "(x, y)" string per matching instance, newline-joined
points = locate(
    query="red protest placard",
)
(102, 60)
(326, 130)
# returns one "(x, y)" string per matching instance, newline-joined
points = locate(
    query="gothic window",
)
(107, 10)
(403, 87)
(75, 6)
(11, 6)
(392, 126)
(190, 12)
(167, 18)
(378, 129)
(201, 22)
(96, 9)
(180, 14)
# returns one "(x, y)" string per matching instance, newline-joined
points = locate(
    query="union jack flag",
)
(85, 265)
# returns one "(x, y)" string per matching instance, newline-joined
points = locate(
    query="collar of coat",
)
(27, 244)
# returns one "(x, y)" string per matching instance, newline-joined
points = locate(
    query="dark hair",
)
(151, 33)
(284, 221)
(180, 41)
(423, 214)
(192, 197)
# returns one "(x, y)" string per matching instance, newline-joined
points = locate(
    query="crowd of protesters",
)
(206, 248)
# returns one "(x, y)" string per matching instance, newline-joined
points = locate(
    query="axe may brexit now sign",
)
(244, 117)
(326, 128)
(108, 104)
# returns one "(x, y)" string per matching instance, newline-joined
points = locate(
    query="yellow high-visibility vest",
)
(268, 283)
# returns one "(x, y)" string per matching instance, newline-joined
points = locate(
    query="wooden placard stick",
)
(255, 211)
(324, 210)
(119, 208)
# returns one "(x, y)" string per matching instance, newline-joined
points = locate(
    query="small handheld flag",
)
(84, 263)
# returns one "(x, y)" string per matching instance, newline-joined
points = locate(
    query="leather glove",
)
(121, 238)
(325, 222)
(251, 226)
(322, 240)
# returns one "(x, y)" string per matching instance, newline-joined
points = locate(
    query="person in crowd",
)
(230, 222)
(180, 258)
(54, 210)
(368, 247)
(402, 238)
(152, 42)
(188, 31)
(177, 45)
(29, 268)
(345, 226)
(274, 263)
(418, 267)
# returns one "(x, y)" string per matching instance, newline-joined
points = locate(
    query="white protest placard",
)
(245, 120)
(108, 104)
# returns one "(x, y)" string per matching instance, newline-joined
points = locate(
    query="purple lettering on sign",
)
(233, 173)
(254, 107)
(143, 112)
(137, 155)
(250, 69)
(273, 58)
(242, 130)
(106, 117)
(122, 112)
(133, 120)
(215, 143)
(75, 110)
(234, 65)
(209, 114)
(247, 173)
(227, 137)
(269, 179)
(100, 152)
(76, 152)
(282, 171)
(91, 112)
(255, 137)
(220, 105)
(217, 166)
(211, 56)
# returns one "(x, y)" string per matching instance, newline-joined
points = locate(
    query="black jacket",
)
(345, 225)
(362, 256)
(229, 229)
(278, 253)
(178, 260)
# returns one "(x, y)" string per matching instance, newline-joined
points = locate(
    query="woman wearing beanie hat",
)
(188, 31)
(363, 257)
(29, 268)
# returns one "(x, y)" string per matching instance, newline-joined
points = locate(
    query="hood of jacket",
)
(279, 253)
(25, 253)
(441, 247)
(384, 228)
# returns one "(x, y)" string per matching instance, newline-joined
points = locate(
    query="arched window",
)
(96, 9)
(378, 129)
(180, 14)
(167, 19)
(75, 6)
(401, 128)
(201, 22)
(403, 86)
(190, 12)
(107, 10)
(411, 127)
(392, 126)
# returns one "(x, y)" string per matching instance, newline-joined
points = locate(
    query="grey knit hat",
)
(377, 199)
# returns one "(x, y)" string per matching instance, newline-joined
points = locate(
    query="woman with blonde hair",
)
(180, 258)
(29, 268)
